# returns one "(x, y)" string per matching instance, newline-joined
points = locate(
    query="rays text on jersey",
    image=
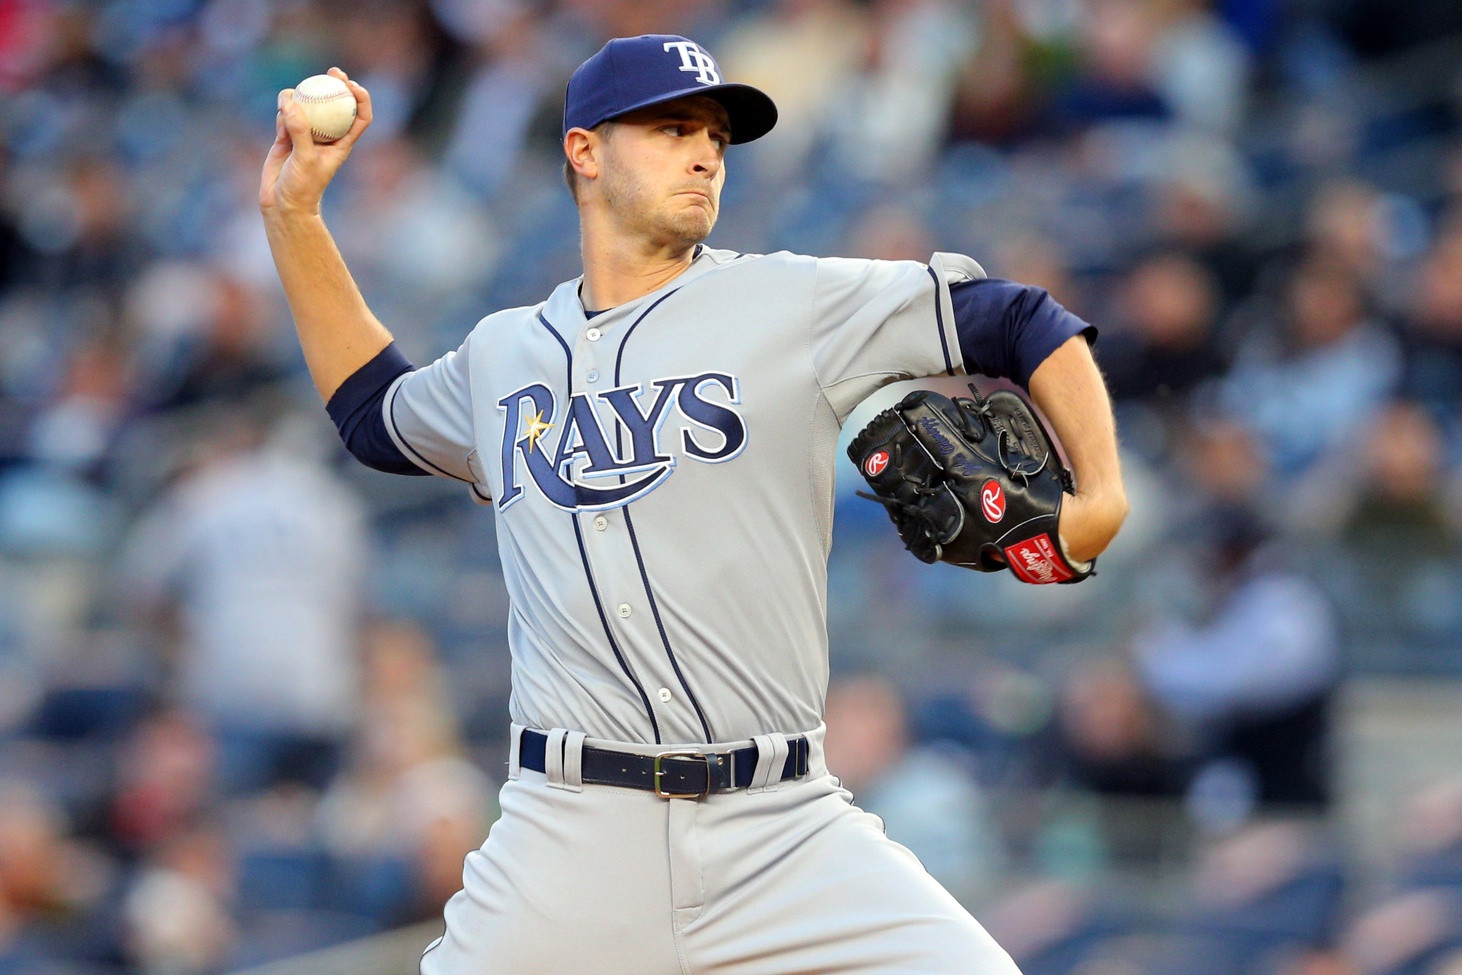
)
(614, 438)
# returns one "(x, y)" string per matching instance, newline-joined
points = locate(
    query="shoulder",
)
(948, 267)
(508, 318)
(766, 262)
(780, 275)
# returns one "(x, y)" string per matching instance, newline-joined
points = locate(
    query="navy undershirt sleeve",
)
(356, 410)
(1007, 329)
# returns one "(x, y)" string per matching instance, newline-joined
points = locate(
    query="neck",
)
(619, 270)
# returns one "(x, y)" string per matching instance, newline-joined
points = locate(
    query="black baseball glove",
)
(972, 482)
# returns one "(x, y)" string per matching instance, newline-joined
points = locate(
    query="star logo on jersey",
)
(536, 428)
(611, 447)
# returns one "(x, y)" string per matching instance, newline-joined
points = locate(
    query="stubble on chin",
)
(691, 225)
(666, 221)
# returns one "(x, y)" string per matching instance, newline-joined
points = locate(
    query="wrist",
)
(1080, 565)
(1088, 523)
(284, 216)
(284, 206)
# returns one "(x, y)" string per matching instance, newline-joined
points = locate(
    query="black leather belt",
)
(670, 775)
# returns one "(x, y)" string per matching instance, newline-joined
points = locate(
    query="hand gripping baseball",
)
(298, 169)
(973, 482)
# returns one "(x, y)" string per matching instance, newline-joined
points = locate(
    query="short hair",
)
(571, 178)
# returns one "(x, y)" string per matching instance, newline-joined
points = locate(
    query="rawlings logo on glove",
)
(972, 482)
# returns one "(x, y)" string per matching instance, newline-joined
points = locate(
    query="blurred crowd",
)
(253, 698)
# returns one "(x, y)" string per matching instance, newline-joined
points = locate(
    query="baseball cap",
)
(630, 73)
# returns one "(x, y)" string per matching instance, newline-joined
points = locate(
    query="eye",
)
(675, 129)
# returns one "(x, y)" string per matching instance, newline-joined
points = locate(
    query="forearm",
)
(337, 331)
(1068, 388)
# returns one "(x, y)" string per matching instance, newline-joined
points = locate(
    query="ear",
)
(582, 148)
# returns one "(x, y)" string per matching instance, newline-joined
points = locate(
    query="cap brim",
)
(751, 111)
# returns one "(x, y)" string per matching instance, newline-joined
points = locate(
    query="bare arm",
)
(1068, 388)
(337, 332)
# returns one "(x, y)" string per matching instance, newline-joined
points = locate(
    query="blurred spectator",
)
(1270, 889)
(1166, 346)
(1404, 933)
(81, 224)
(1203, 206)
(1344, 225)
(1249, 675)
(1396, 569)
(1038, 261)
(1431, 836)
(230, 357)
(413, 235)
(1117, 80)
(803, 53)
(1308, 389)
(51, 886)
(409, 795)
(1001, 84)
(261, 550)
(391, 48)
(1433, 336)
(77, 428)
(927, 800)
(1048, 925)
(1201, 68)
(892, 121)
(890, 233)
(177, 915)
(1221, 459)
(164, 781)
(1113, 740)
(515, 75)
(1397, 517)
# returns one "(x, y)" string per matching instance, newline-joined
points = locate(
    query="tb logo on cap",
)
(692, 58)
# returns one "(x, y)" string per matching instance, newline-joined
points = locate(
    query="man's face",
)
(663, 170)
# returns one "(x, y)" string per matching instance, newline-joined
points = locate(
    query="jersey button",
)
(665, 694)
(592, 375)
(624, 611)
(601, 523)
(593, 334)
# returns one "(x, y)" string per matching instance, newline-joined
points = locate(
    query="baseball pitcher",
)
(656, 440)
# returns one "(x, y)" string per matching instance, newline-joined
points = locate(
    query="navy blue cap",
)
(630, 73)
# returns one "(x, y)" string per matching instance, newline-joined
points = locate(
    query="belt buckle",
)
(660, 773)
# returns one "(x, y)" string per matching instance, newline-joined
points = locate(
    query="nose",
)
(706, 158)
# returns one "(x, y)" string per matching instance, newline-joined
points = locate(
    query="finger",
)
(298, 128)
(338, 73)
(362, 100)
(285, 94)
(283, 141)
(363, 116)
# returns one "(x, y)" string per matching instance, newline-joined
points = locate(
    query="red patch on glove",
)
(1037, 561)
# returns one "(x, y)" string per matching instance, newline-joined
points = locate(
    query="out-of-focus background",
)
(253, 697)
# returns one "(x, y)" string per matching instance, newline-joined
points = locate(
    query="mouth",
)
(700, 194)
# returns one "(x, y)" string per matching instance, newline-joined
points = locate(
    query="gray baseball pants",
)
(782, 878)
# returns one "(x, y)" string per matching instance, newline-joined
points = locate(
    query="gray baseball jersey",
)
(662, 475)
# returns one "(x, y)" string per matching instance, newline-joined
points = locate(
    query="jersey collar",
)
(565, 312)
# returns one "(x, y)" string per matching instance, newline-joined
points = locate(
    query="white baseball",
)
(328, 104)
